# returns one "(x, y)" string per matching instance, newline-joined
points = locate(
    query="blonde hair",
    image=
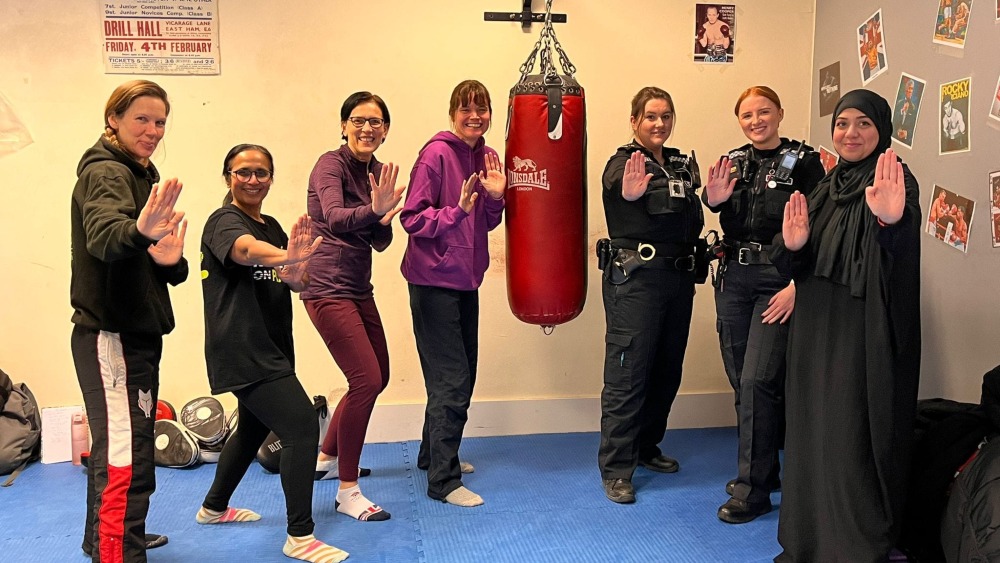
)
(123, 97)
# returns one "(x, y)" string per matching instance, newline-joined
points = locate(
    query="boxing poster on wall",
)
(904, 112)
(168, 37)
(829, 88)
(715, 33)
(995, 108)
(955, 128)
(828, 158)
(950, 218)
(871, 48)
(995, 207)
(952, 22)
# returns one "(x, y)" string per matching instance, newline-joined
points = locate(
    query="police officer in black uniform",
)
(749, 188)
(654, 218)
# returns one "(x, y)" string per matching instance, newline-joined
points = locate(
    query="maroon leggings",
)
(353, 333)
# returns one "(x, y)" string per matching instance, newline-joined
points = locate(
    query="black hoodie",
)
(116, 286)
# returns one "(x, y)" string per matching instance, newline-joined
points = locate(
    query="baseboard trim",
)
(395, 423)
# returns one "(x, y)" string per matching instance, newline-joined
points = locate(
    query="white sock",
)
(308, 548)
(463, 497)
(206, 516)
(466, 467)
(354, 504)
(326, 470)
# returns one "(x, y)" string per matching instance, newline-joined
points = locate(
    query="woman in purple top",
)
(456, 197)
(351, 210)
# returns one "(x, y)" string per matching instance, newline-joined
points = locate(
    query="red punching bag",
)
(546, 207)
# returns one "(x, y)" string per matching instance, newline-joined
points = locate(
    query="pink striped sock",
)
(206, 516)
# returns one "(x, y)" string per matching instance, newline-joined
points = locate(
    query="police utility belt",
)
(746, 253)
(618, 259)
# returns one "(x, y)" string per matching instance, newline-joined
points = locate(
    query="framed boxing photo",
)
(714, 33)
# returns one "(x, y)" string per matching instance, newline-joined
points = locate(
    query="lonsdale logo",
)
(525, 175)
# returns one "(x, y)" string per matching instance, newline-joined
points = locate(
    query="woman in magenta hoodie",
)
(456, 196)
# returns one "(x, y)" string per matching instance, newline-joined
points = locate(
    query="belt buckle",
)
(744, 254)
(680, 266)
(742, 257)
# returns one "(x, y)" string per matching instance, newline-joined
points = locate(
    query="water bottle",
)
(79, 436)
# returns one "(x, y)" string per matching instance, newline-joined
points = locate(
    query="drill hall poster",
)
(160, 36)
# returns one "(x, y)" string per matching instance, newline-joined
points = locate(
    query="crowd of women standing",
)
(816, 291)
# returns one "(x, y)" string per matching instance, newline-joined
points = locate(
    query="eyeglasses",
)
(244, 174)
(359, 122)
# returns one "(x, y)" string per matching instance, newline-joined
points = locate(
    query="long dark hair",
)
(229, 159)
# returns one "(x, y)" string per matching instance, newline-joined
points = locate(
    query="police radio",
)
(788, 161)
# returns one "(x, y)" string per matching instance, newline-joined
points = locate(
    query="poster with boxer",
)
(955, 127)
(714, 33)
(952, 22)
(871, 48)
(949, 218)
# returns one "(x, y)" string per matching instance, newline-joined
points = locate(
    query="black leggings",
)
(283, 406)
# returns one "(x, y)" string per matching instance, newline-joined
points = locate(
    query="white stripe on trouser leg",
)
(114, 376)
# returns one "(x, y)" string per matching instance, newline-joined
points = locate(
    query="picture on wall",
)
(871, 48)
(955, 133)
(950, 218)
(952, 22)
(995, 108)
(995, 206)
(715, 33)
(827, 158)
(829, 88)
(904, 112)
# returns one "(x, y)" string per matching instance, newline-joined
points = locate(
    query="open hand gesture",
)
(886, 196)
(795, 226)
(719, 187)
(385, 194)
(168, 250)
(635, 180)
(301, 245)
(494, 180)
(467, 198)
(780, 307)
(158, 218)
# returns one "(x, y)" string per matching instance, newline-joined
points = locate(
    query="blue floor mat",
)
(544, 502)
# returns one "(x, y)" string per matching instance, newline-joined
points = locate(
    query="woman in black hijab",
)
(854, 345)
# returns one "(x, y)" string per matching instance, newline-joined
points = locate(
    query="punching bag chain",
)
(546, 41)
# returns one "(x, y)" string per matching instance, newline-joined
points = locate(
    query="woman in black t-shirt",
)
(249, 269)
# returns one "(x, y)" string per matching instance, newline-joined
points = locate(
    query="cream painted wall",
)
(286, 67)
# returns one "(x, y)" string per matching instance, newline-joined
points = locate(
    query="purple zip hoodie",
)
(447, 247)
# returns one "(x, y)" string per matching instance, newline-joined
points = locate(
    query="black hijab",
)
(842, 225)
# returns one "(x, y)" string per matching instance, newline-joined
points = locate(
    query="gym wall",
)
(960, 320)
(286, 68)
